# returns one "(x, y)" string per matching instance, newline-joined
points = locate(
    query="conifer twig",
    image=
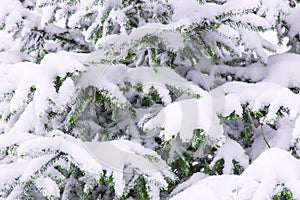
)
(263, 135)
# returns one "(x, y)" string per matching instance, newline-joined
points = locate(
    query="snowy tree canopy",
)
(149, 99)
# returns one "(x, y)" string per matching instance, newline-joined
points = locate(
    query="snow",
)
(111, 77)
(48, 187)
(271, 36)
(81, 156)
(212, 188)
(115, 155)
(254, 72)
(26, 121)
(192, 10)
(119, 182)
(283, 138)
(258, 181)
(33, 167)
(292, 20)
(92, 157)
(167, 34)
(11, 171)
(184, 116)
(6, 42)
(13, 57)
(228, 31)
(265, 93)
(47, 14)
(52, 62)
(104, 77)
(31, 105)
(271, 9)
(160, 79)
(18, 80)
(230, 151)
(257, 95)
(257, 43)
(65, 93)
(10, 12)
(232, 105)
(296, 130)
(266, 176)
(193, 179)
(289, 77)
(233, 33)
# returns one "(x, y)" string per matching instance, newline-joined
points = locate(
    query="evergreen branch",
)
(263, 135)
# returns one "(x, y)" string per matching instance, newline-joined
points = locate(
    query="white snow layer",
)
(20, 78)
(48, 187)
(117, 155)
(292, 20)
(93, 157)
(258, 181)
(112, 77)
(184, 116)
(230, 151)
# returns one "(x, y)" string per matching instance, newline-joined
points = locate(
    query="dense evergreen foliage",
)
(149, 99)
